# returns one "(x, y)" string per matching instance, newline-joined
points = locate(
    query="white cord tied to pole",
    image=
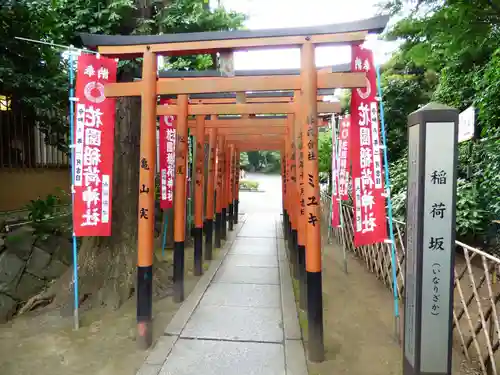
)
(387, 192)
(69, 49)
(74, 51)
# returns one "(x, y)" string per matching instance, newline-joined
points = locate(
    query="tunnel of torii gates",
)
(294, 134)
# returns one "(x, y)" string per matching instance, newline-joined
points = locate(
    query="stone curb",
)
(295, 358)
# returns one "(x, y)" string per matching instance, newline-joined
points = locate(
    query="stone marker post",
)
(430, 238)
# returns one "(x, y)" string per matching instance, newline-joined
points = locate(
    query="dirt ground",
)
(45, 344)
(358, 322)
(357, 316)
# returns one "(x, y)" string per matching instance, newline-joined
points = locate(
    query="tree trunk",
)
(330, 180)
(107, 265)
(169, 216)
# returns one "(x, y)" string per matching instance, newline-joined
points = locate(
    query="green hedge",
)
(249, 185)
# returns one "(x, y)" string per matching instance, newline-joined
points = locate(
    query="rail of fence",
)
(23, 144)
(476, 328)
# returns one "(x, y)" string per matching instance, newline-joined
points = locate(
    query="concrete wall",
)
(19, 186)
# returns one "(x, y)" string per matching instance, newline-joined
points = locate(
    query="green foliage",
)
(488, 102)
(471, 218)
(345, 102)
(323, 178)
(449, 54)
(404, 88)
(41, 209)
(274, 167)
(27, 70)
(35, 77)
(249, 185)
(272, 162)
(183, 16)
(477, 203)
(486, 175)
(264, 161)
(325, 151)
(398, 173)
(244, 163)
(254, 159)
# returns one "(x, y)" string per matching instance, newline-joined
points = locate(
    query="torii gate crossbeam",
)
(304, 120)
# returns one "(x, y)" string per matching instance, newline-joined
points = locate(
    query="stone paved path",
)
(241, 318)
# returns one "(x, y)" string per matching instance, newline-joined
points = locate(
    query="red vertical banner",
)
(369, 198)
(335, 181)
(94, 132)
(228, 177)
(167, 159)
(343, 165)
(189, 169)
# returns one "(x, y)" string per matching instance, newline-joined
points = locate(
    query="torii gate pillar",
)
(316, 349)
(145, 243)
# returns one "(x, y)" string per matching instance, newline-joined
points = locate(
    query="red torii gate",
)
(301, 124)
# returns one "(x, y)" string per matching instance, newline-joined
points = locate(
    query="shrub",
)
(41, 209)
(249, 185)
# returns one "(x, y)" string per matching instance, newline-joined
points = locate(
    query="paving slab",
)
(247, 275)
(189, 305)
(242, 295)
(259, 226)
(295, 358)
(290, 314)
(245, 260)
(209, 357)
(147, 369)
(260, 241)
(257, 232)
(254, 250)
(235, 323)
(161, 350)
(250, 246)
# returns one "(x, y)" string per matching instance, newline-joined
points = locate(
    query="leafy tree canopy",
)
(449, 53)
(34, 76)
